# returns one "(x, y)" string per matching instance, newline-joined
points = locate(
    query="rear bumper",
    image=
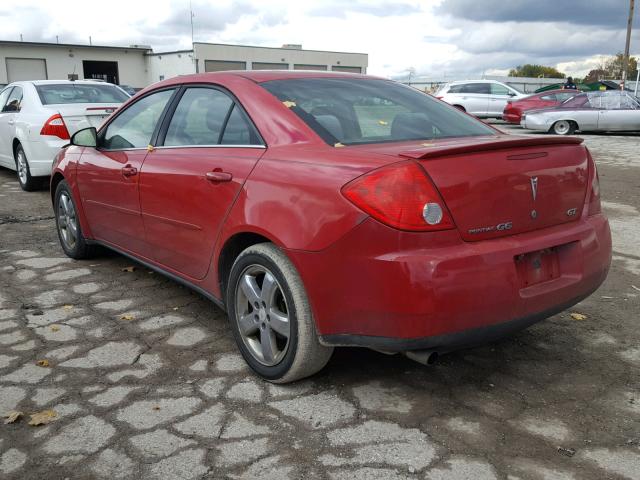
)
(40, 154)
(511, 118)
(392, 290)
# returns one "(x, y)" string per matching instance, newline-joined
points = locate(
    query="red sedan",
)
(514, 109)
(324, 209)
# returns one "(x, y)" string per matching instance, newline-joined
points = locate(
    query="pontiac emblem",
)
(534, 188)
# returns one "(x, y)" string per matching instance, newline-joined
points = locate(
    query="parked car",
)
(322, 209)
(38, 117)
(514, 109)
(606, 111)
(482, 98)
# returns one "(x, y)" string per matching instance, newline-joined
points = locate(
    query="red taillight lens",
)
(55, 126)
(594, 191)
(439, 97)
(401, 196)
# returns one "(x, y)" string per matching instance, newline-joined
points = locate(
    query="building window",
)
(222, 65)
(341, 68)
(302, 66)
(269, 66)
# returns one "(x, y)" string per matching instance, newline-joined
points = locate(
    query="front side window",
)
(14, 101)
(66, 93)
(579, 101)
(134, 126)
(4, 96)
(499, 89)
(357, 111)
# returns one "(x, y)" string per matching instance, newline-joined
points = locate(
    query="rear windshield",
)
(51, 94)
(356, 111)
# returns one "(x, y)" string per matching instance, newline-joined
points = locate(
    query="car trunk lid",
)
(82, 115)
(504, 185)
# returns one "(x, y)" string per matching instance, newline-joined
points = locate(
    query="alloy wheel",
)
(22, 167)
(67, 221)
(262, 315)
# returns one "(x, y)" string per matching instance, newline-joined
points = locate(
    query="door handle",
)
(11, 122)
(129, 171)
(218, 176)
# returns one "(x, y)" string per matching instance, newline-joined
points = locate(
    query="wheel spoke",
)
(268, 344)
(269, 286)
(65, 203)
(279, 323)
(250, 288)
(71, 225)
(247, 324)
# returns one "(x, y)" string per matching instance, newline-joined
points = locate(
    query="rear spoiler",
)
(432, 150)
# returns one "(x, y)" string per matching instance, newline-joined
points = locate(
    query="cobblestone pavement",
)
(146, 381)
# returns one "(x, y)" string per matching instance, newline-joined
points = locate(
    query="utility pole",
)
(625, 60)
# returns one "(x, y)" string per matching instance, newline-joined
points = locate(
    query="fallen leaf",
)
(289, 104)
(42, 418)
(175, 308)
(129, 269)
(68, 307)
(382, 122)
(43, 363)
(578, 316)
(569, 452)
(55, 328)
(12, 417)
(127, 317)
(156, 407)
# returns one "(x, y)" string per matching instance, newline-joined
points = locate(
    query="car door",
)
(618, 112)
(6, 152)
(10, 99)
(207, 147)
(498, 99)
(108, 175)
(475, 98)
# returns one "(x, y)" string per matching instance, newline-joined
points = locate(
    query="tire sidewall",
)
(569, 129)
(281, 369)
(28, 185)
(64, 187)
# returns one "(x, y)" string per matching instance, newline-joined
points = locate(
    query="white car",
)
(37, 118)
(482, 98)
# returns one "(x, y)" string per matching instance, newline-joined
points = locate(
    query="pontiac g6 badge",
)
(500, 227)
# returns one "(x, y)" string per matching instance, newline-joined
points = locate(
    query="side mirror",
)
(87, 137)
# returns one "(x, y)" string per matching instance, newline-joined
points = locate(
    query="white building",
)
(138, 66)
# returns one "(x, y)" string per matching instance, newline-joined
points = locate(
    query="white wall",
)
(211, 51)
(61, 60)
(169, 65)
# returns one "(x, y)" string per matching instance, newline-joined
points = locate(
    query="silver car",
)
(608, 111)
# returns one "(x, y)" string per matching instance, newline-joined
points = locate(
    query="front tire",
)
(68, 225)
(27, 182)
(563, 127)
(271, 318)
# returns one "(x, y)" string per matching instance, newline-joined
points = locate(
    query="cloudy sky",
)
(433, 38)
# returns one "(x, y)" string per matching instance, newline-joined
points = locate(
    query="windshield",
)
(354, 111)
(51, 94)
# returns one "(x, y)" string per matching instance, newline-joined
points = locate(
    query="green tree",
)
(535, 71)
(614, 65)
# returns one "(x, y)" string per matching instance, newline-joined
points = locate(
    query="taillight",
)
(595, 206)
(439, 97)
(401, 196)
(55, 126)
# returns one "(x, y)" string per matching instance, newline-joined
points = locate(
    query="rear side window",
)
(356, 111)
(206, 116)
(562, 96)
(455, 88)
(484, 88)
(64, 93)
(135, 125)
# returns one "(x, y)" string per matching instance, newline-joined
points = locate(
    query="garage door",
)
(26, 69)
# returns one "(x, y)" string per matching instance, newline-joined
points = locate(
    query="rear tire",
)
(68, 225)
(563, 127)
(27, 182)
(271, 318)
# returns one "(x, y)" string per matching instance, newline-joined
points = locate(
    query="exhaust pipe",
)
(424, 357)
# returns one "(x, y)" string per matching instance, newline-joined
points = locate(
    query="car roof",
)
(58, 82)
(458, 82)
(260, 76)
